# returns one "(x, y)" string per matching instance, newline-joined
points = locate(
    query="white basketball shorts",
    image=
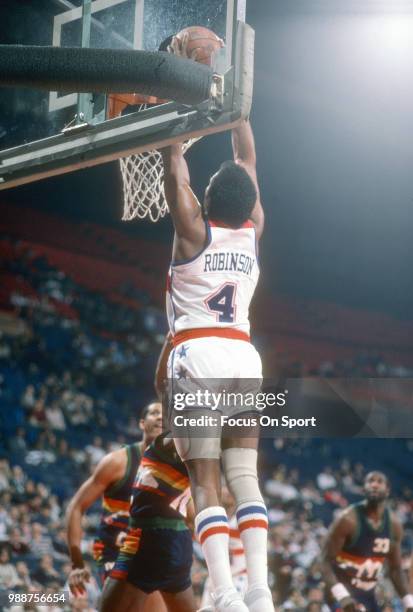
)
(210, 377)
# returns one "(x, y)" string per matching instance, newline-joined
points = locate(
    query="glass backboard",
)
(30, 115)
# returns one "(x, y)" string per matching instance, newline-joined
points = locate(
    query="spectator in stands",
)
(295, 601)
(14, 512)
(78, 407)
(17, 544)
(55, 417)
(47, 441)
(6, 499)
(30, 490)
(316, 606)
(23, 575)
(131, 429)
(60, 544)
(25, 523)
(17, 443)
(4, 475)
(55, 508)
(64, 455)
(45, 517)
(9, 578)
(37, 416)
(95, 450)
(315, 598)
(310, 493)
(5, 522)
(280, 487)
(40, 544)
(45, 573)
(35, 505)
(326, 479)
(28, 399)
(79, 457)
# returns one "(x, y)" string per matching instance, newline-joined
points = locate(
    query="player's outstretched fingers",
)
(77, 580)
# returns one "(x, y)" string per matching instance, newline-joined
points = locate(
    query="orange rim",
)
(118, 102)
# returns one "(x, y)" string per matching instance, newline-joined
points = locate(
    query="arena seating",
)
(81, 324)
(103, 259)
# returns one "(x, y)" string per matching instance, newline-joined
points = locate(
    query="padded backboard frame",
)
(86, 14)
(88, 140)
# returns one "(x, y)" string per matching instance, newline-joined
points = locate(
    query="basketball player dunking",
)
(212, 280)
(360, 541)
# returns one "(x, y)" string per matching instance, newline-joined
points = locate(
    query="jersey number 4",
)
(222, 303)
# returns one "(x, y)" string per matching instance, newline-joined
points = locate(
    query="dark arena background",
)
(82, 316)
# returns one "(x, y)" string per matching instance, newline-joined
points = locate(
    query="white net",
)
(143, 187)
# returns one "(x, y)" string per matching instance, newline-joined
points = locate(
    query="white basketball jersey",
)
(215, 288)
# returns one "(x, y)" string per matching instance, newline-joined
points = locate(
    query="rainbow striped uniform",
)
(157, 550)
(115, 512)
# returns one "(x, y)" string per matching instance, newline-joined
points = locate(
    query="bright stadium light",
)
(384, 7)
(395, 32)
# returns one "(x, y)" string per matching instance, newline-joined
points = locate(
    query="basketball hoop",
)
(142, 173)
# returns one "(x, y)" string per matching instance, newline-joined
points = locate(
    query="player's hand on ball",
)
(179, 46)
(77, 581)
(196, 43)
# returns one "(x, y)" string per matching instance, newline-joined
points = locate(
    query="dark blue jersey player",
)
(364, 537)
(156, 554)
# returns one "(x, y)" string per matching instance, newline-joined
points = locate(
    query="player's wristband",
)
(407, 601)
(76, 566)
(339, 592)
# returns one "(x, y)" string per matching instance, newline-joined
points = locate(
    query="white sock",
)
(211, 526)
(253, 526)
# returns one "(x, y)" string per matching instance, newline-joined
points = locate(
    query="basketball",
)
(197, 43)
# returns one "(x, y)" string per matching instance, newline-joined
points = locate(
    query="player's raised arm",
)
(243, 147)
(183, 205)
(396, 573)
(338, 534)
(106, 472)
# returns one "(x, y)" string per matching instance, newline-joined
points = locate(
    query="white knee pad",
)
(240, 469)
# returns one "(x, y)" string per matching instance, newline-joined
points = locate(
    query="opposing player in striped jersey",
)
(359, 543)
(112, 481)
(156, 554)
(212, 280)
